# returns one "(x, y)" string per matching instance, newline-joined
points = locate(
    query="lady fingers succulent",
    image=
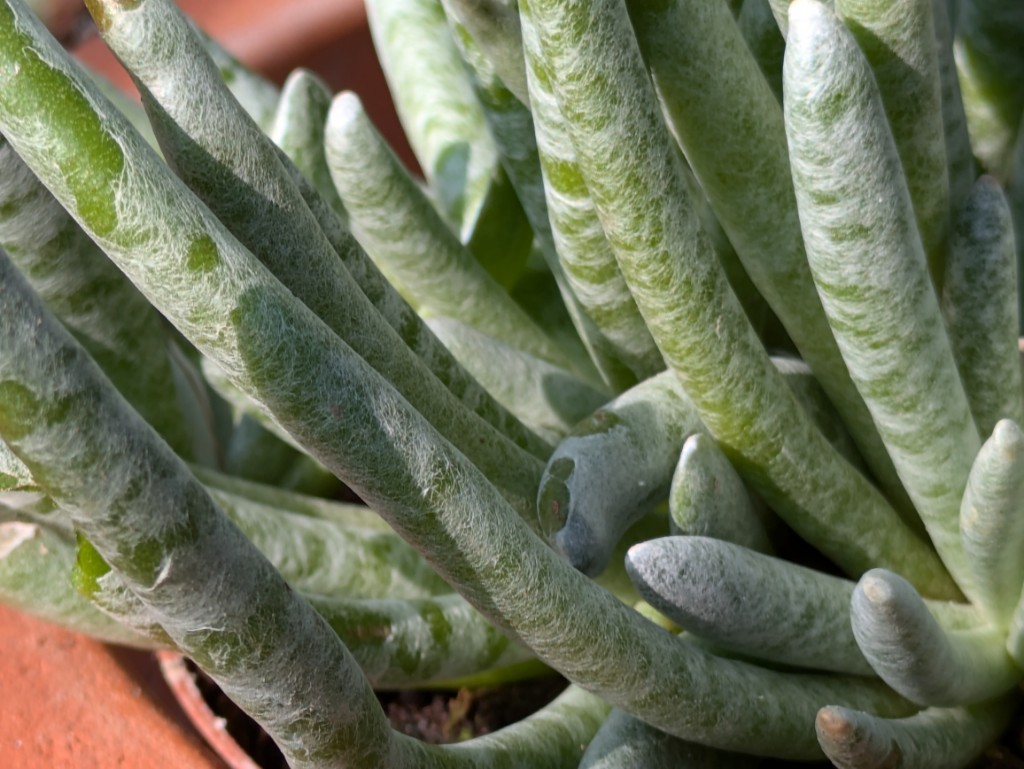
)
(731, 285)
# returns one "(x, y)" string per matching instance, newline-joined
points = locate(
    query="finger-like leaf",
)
(708, 498)
(362, 429)
(625, 742)
(583, 251)
(979, 303)
(730, 126)
(631, 171)
(548, 399)
(298, 129)
(914, 655)
(750, 603)
(410, 242)
(936, 738)
(435, 101)
(870, 269)
(900, 45)
(613, 468)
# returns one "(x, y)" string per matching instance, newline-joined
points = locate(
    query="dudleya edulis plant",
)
(754, 260)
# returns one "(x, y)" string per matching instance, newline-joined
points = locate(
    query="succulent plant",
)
(689, 369)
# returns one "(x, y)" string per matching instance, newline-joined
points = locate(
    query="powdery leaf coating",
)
(408, 240)
(547, 398)
(935, 738)
(435, 102)
(398, 463)
(869, 265)
(979, 303)
(899, 42)
(583, 250)
(912, 653)
(731, 127)
(512, 127)
(763, 607)
(992, 524)
(633, 176)
(613, 468)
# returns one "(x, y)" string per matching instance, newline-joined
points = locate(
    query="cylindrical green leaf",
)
(936, 738)
(613, 468)
(512, 127)
(546, 398)
(708, 499)
(730, 126)
(435, 101)
(899, 42)
(583, 250)
(870, 269)
(912, 653)
(979, 303)
(411, 643)
(814, 400)
(762, 607)
(625, 742)
(409, 241)
(298, 129)
(630, 167)
(992, 522)
(780, 10)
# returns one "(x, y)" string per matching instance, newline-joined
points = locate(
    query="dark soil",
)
(435, 717)
(453, 716)
(1009, 752)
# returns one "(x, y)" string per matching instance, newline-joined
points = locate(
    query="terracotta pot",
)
(182, 682)
(69, 701)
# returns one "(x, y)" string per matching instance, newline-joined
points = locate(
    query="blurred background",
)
(272, 37)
